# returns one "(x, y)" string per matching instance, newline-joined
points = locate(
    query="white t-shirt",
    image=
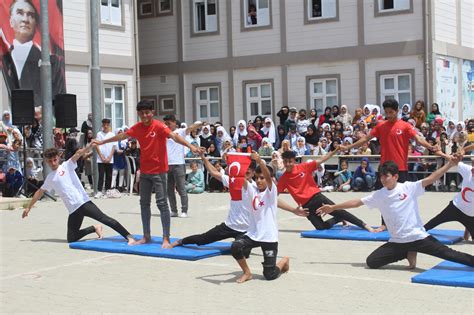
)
(464, 200)
(262, 205)
(65, 182)
(238, 217)
(176, 150)
(399, 208)
(105, 149)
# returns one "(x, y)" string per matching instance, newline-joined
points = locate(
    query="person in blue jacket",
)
(364, 176)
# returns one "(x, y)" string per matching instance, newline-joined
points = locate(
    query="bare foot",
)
(244, 277)
(166, 243)
(369, 228)
(380, 229)
(286, 264)
(99, 230)
(131, 241)
(175, 243)
(467, 235)
(411, 257)
(143, 240)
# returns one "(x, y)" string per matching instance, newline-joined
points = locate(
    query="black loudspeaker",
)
(65, 109)
(23, 107)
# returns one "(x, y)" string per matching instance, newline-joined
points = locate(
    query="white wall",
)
(320, 35)
(76, 25)
(158, 40)
(4, 99)
(467, 23)
(78, 83)
(445, 21)
(393, 28)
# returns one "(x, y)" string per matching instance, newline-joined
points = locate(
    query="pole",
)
(95, 80)
(46, 85)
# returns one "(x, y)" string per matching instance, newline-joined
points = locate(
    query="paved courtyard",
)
(39, 273)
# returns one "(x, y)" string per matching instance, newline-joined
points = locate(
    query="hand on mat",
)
(301, 212)
(324, 209)
(25, 213)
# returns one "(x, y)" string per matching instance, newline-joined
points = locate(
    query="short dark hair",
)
(390, 103)
(145, 105)
(51, 153)
(288, 155)
(388, 167)
(193, 163)
(252, 166)
(169, 117)
(258, 170)
(106, 121)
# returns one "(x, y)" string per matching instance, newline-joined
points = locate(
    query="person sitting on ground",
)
(13, 182)
(33, 175)
(343, 177)
(364, 176)
(215, 184)
(195, 180)
(64, 181)
(399, 207)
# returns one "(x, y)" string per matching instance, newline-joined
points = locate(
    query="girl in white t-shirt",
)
(399, 207)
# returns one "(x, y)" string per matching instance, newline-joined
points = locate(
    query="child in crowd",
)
(195, 180)
(364, 176)
(343, 177)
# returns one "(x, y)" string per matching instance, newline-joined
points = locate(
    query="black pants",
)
(452, 213)
(107, 169)
(338, 215)
(243, 245)
(217, 233)
(392, 252)
(89, 209)
(402, 177)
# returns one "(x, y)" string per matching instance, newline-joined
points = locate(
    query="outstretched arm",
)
(178, 139)
(81, 152)
(326, 157)
(117, 137)
(263, 167)
(354, 203)
(434, 148)
(210, 168)
(467, 148)
(299, 211)
(193, 127)
(356, 144)
(38, 194)
(441, 171)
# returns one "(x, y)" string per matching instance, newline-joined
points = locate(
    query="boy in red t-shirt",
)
(299, 181)
(151, 135)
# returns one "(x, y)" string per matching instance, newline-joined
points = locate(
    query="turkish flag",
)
(238, 163)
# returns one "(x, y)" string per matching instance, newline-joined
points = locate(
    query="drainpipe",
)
(137, 62)
(427, 38)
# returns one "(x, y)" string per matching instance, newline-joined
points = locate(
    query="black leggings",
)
(452, 213)
(217, 233)
(106, 168)
(243, 245)
(89, 209)
(392, 252)
(338, 215)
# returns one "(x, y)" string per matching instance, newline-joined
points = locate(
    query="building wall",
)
(158, 40)
(467, 23)
(445, 21)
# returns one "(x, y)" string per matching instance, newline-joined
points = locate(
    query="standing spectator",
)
(252, 15)
(232, 130)
(118, 172)
(343, 177)
(301, 148)
(13, 156)
(433, 113)
(241, 131)
(105, 158)
(193, 138)
(258, 123)
(344, 117)
(222, 136)
(313, 117)
(266, 148)
(254, 138)
(364, 176)
(195, 181)
(87, 124)
(277, 165)
(302, 122)
(405, 112)
(451, 128)
(3, 151)
(206, 137)
(58, 138)
(470, 131)
(418, 113)
(326, 117)
(291, 119)
(357, 116)
(311, 137)
(87, 158)
(283, 114)
(280, 136)
(335, 112)
(215, 184)
(268, 131)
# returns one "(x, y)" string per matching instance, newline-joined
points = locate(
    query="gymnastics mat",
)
(447, 273)
(355, 233)
(117, 244)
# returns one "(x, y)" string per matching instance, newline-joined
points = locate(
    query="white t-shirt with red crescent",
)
(464, 200)
(238, 217)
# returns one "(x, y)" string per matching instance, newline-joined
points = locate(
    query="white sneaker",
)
(174, 214)
(183, 215)
(99, 195)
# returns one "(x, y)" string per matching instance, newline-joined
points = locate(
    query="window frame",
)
(113, 85)
(388, 12)
(243, 18)
(246, 98)
(196, 112)
(159, 107)
(195, 33)
(308, 20)
(383, 74)
(140, 15)
(158, 13)
(111, 26)
(309, 90)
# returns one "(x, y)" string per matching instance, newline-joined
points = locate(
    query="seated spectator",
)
(266, 149)
(301, 148)
(311, 137)
(268, 130)
(367, 113)
(243, 145)
(222, 135)
(323, 179)
(343, 177)
(13, 157)
(2, 181)
(322, 148)
(418, 113)
(33, 175)
(292, 136)
(357, 116)
(212, 150)
(277, 165)
(291, 120)
(227, 147)
(433, 113)
(281, 134)
(364, 176)
(326, 117)
(470, 131)
(451, 128)
(232, 130)
(195, 179)
(364, 149)
(13, 182)
(335, 112)
(254, 138)
(3, 150)
(241, 131)
(313, 117)
(285, 146)
(214, 184)
(335, 145)
(344, 117)
(302, 122)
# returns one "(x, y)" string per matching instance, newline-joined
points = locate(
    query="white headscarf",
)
(326, 124)
(208, 128)
(270, 131)
(320, 174)
(238, 132)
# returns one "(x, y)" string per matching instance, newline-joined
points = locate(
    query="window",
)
(205, 16)
(387, 7)
(256, 13)
(321, 9)
(111, 12)
(324, 92)
(259, 99)
(114, 105)
(396, 86)
(146, 9)
(167, 105)
(164, 6)
(207, 103)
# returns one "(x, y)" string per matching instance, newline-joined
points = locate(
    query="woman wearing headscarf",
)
(344, 117)
(7, 119)
(277, 164)
(268, 131)
(433, 113)
(254, 138)
(451, 128)
(266, 149)
(335, 112)
(364, 176)
(311, 137)
(301, 148)
(325, 117)
(280, 136)
(33, 175)
(206, 137)
(357, 116)
(285, 146)
(220, 138)
(87, 124)
(240, 131)
(366, 113)
(405, 112)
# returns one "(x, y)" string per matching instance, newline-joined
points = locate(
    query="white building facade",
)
(225, 60)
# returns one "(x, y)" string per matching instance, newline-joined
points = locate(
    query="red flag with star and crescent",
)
(237, 165)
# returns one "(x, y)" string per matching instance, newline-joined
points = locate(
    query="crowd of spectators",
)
(296, 130)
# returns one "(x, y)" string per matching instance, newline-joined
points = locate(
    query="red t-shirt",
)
(394, 139)
(300, 182)
(152, 140)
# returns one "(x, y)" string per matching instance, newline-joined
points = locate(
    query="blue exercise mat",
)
(447, 273)
(118, 244)
(355, 233)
